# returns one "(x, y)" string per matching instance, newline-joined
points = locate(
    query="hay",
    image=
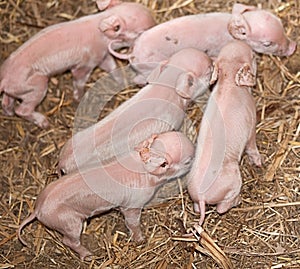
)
(263, 232)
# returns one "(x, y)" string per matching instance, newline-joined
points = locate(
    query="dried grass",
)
(263, 232)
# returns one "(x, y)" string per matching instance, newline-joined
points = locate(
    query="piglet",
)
(79, 45)
(127, 184)
(158, 107)
(209, 32)
(227, 128)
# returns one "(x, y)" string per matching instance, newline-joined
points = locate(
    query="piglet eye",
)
(188, 161)
(117, 28)
(190, 81)
(164, 164)
(267, 44)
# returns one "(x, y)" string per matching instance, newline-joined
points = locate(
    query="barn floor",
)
(262, 232)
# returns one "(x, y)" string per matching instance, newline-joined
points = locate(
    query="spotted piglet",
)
(208, 32)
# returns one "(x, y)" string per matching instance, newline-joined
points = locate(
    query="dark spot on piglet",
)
(175, 41)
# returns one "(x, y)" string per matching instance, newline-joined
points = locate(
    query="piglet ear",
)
(215, 74)
(104, 4)
(143, 147)
(238, 27)
(185, 85)
(154, 75)
(240, 8)
(110, 26)
(157, 163)
(245, 76)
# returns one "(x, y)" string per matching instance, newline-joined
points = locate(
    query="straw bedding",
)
(262, 232)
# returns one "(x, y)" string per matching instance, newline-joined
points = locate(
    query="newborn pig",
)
(209, 32)
(127, 184)
(79, 46)
(158, 107)
(227, 128)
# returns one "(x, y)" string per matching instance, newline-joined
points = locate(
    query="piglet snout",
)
(291, 48)
(287, 49)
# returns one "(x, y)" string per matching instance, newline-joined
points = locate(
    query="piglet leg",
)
(31, 97)
(226, 205)
(132, 221)
(71, 227)
(109, 65)
(75, 244)
(252, 151)
(80, 77)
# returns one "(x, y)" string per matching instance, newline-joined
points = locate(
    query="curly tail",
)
(24, 223)
(118, 44)
(202, 211)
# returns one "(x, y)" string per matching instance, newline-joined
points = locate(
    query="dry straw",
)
(263, 232)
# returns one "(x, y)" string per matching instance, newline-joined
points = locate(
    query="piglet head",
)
(188, 71)
(126, 21)
(244, 67)
(262, 30)
(156, 162)
(167, 155)
(198, 66)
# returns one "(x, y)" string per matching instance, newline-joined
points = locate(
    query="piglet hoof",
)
(257, 160)
(85, 255)
(77, 95)
(138, 239)
(254, 156)
(88, 257)
(38, 119)
(44, 124)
